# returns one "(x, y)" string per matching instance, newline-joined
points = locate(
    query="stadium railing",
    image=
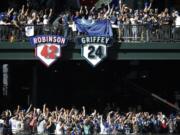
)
(123, 33)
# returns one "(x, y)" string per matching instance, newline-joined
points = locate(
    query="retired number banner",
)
(94, 48)
(48, 47)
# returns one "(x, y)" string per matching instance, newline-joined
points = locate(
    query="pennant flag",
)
(100, 2)
(177, 22)
(29, 31)
(94, 28)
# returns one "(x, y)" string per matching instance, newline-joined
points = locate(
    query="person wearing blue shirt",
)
(65, 24)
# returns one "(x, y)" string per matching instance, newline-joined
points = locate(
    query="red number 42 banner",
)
(48, 53)
(48, 47)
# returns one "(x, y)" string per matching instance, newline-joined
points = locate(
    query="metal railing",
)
(147, 33)
(123, 33)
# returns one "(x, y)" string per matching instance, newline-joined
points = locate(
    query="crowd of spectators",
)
(130, 24)
(77, 122)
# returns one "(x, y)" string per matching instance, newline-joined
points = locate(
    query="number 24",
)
(95, 52)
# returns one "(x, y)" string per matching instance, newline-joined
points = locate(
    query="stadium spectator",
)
(46, 20)
(128, 24)
(73, 121)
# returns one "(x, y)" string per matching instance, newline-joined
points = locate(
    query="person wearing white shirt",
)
(41, 127)
(1, 126)
(2, 22)
(46, 19)
(177, 21)
(102, 126)
(59, 129)
(16, 125)
(133, 21)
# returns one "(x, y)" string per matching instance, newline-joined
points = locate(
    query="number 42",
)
(49, 52)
